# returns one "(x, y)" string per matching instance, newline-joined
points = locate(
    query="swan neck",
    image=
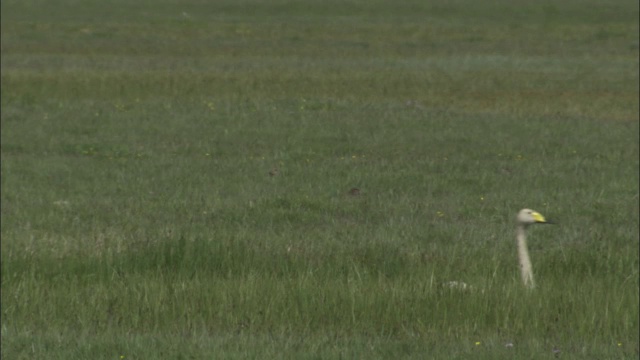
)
(523, 257)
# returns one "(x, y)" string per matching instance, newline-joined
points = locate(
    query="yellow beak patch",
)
(538, 217)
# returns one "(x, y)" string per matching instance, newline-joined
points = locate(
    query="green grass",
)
(139, 218)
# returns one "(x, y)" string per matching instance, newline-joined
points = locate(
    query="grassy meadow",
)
(177, 175)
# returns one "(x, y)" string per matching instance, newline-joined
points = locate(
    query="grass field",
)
(176, 179)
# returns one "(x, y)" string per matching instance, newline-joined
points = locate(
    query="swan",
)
(525, 218)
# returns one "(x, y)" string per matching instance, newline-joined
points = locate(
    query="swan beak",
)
(538, 217)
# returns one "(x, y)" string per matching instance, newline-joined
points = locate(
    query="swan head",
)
(528, 217)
